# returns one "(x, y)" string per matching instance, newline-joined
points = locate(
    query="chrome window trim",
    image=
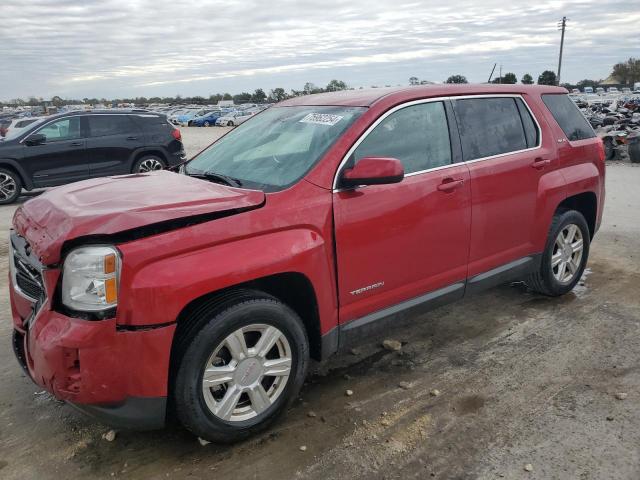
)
(441, 167)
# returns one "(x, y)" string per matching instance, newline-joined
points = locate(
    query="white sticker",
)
(322, 119)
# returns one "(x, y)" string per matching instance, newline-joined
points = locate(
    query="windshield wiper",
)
(218, 178)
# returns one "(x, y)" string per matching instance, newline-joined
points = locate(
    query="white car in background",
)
(20, 123)
(235, 118)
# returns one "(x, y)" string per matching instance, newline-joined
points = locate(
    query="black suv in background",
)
(73, 146)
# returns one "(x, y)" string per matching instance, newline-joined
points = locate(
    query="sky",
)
(129, 48)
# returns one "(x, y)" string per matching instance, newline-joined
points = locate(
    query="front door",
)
(397, 242)
(61, 158)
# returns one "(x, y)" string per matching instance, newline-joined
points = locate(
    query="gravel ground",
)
(480, 390)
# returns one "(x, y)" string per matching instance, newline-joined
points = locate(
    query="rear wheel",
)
(229, 123)
(241, 364)
(207, 124)
(565, 255)
(10, 186)
(148, 163)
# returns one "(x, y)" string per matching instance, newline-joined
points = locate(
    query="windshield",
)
(276, 148)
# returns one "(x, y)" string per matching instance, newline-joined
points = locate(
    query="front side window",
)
(276, 148)
(489, 126)
(569, 118)
(417, 135)
(64, 129)
(103, 125)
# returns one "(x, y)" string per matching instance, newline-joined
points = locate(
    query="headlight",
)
(90, 279)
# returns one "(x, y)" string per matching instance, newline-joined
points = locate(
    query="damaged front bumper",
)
(117, 375)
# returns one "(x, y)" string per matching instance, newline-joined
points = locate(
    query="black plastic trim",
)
(135, 413)
(342, 336)
(505, 273)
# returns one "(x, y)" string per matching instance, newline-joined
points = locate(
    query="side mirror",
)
(36, 139)
(373, 171)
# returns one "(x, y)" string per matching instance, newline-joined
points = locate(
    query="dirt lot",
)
(522, 379)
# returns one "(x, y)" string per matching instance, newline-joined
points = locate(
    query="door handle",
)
(540, 162)
(132, 138)
(76, 144)
(450, 184)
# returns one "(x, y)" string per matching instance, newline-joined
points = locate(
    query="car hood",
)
(111, 205)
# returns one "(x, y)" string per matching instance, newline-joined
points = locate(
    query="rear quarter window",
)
(569, 118)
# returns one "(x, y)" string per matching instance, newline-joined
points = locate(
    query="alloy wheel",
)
(149, 165)
(247, 372)
(7, 186)
(567, 253)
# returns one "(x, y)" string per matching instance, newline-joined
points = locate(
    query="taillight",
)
(601, 151)
(176, 134)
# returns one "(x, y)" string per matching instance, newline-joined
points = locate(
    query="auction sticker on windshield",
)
(322, 119)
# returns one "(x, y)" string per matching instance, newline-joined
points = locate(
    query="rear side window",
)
(566, 113)
(418, 136)
(489, 126)
(102, 125)
(531, 132)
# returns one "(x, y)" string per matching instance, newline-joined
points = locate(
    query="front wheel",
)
(10, 186)
(565, 255)
(229, 124)
(241, 369)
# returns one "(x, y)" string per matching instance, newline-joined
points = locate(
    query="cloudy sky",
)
(125, 48)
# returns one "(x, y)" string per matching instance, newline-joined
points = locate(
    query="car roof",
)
(104, 112)
(369, 96)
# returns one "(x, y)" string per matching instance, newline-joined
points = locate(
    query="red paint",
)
(374, 171)
(402, 240)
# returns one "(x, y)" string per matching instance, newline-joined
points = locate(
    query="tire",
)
(206, 124)
(10, 186)
(547, 280)
(229, 123)
(609, 150)
(205, 345)
(634, 152)
(148, 163)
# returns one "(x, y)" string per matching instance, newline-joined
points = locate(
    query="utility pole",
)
(561, 26)
(500, 78)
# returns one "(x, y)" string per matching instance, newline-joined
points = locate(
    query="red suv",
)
(316, 221)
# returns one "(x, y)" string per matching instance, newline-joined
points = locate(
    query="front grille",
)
(28, 279)
(26, 270)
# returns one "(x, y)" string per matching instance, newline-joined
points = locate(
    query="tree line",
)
(627, 73)
(258, 96)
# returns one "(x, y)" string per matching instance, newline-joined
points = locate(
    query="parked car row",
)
(226, 116)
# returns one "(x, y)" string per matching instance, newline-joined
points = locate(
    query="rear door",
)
(112, 140)
(397, 242)
(501, 144)
(62, 158)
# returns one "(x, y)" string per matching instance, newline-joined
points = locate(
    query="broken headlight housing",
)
(91, 278)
